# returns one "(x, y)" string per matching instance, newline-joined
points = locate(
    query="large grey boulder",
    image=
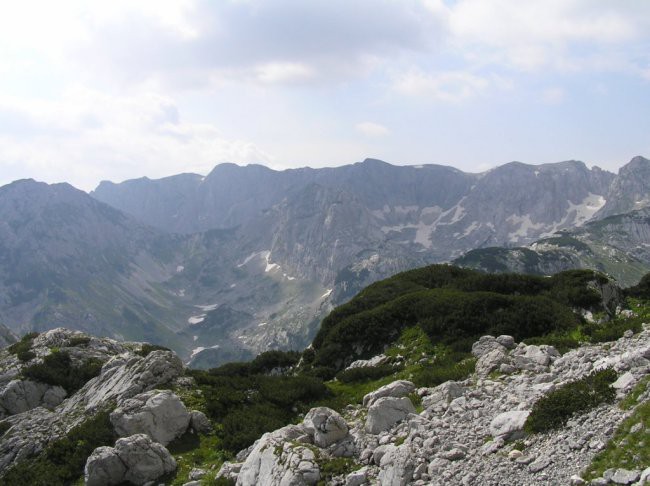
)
(278, 458)
(21, 395)
(534, 358)
(325, 425)
(159, 414)
(200, 423)
(397, 466)
(136, 459)
(509, 425)
(399, 388)
(443, 394)
(386, 412)
(490, 362)
(104, 467)
(485, 344)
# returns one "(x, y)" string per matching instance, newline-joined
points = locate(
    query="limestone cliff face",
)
(630, 189)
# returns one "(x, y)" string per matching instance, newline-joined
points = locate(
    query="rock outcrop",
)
(159, 414)
(135, 459)
(468, 429)
(124, 375)
(22, 395)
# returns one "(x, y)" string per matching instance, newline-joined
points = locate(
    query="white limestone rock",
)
(159, 414)
(21, 395)
(386, 412)
(325, 425)
(276, 459)
(397, 466)
(136, 459)
(509, 425)
(399, 388)
(485, 344)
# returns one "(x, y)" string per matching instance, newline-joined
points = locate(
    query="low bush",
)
(249, 405)
(611, 330)
(562, 343)
(366, 373)
(23, 348)
(455, 366)
(148, 348)
(78, 341)
(555, 409)
(57, 369)
(63, 460)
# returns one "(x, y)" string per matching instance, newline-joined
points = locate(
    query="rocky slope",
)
(618, 245)
(467, 430)
(66, 259)
(409, 403)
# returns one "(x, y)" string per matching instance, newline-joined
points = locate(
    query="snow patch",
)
(196, 351)
(261, 324)
(326, 294)
(207, 308)
(269, 266)
(194, 338)
(180, 268)
(470, 229)
(232, 286)
(586, 209)
(525, 226)
(196, 319)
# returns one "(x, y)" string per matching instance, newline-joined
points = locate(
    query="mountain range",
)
(247, 258)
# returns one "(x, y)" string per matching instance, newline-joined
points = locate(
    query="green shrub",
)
(366, 373)
(640, 290)
(23, 348)
(611, 330)
(455, 366)
(57, 370)
(78, 341)
(562, 343)
(26, 356)
(4, 426)
(337, 466)
(63, 460)
(249, 405)
(148, 348)
(556, 408)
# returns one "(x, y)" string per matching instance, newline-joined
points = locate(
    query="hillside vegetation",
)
(424, 321)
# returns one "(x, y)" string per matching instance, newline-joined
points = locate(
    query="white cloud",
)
(451, 87)
(284, 72)
(537, 34)
(553, 95)
(88, 136)
(371, 129)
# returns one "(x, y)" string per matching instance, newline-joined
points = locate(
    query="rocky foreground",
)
(466, 433)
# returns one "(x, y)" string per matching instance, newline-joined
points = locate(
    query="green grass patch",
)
(632, 399)
(555, 409)
(337, 466)
(63, 460)
(196, 451)
(628, 449)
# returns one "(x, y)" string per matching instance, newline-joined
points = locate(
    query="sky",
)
(96, 90)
